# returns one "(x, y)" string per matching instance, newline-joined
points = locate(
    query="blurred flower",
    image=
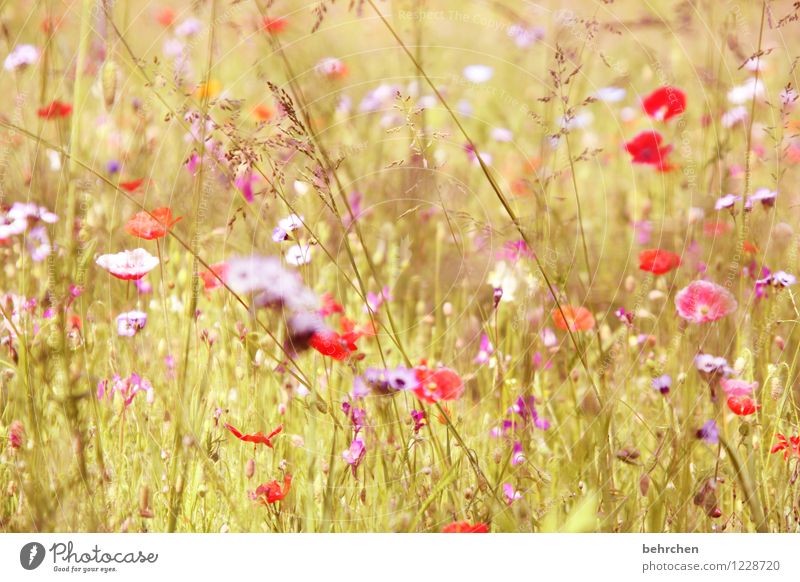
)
(151, 225)
(766, 196)
(484, 351)
(331, 68)
(734, 116)
(465, 527)
(736, 387)
(16, 435)
(517, 456)
(778, 279)
(662, 383)
(129, 323)
(751, 89)
(22, 56)
(127, 388)
(664, 103)
(658, 262)
(418, 416)
(704, 302)
(189, 27)
(285, 226)
(55, 110)
(128, 265)
(38, 243)
(298, 255)
(478, 73)
(355, 454)
(646, 148)
(709, 432)
(525, 407)
(510, 493)
(573, 318)
(439, 384)
(610, 94)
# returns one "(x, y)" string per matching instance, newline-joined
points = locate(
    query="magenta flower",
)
(511, 494)
(127, 388)
(704, 302)
(355, 454)
(484, 351)
(709, 432)
(517, 454)
(418, 416)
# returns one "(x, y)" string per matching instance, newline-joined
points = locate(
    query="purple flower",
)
(662, 384)
(357, 416)
(127, 388)
(643, 230)
(624, 316)
(38, 244)
(777, 279)
(710, 365)
(128, 324)
(727, 201)
(113, 166)
(526, 408)
(401, 378)
(709, 432)
(766, 196)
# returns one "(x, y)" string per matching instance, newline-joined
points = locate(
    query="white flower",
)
(128, 265)
(298, 255)
(734, 116)
(291, 223)
(478, 73)
(610, 94)
(752, 88)
(22, 56)
(502, 134)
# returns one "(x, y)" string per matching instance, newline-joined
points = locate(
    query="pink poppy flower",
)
(735, 387)
(128, 265)
(704, 301)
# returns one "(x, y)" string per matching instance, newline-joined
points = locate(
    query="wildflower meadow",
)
(399, 266)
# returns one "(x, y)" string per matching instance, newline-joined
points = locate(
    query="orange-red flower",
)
(211, 278)
(257, 439)
(274, 25)
(790, 446)
(658, 262)
(165, 16)
(55, 110)
(438, 384)
(131, 185)
(152, 225)
(273, 492)
(573, 318)
(465, 527)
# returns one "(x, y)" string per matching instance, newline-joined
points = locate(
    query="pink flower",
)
(128, 265)
(704, 301)
(734, 387)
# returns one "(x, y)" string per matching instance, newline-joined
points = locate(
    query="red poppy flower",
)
(262, 112)
(132, 185)
(151, 226)
(211, 278)
(646, 148)
(165, 16)
(273, 492)
(352, 331)
(664, 103)
(438, 384)
(330, 305)
(658, 262)
(55, 110)
(790, 446)
(329, 343)
(742, 405)
(274, 25)
(465, 527)
(257, 438)
(715, 228)
(573, 318)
